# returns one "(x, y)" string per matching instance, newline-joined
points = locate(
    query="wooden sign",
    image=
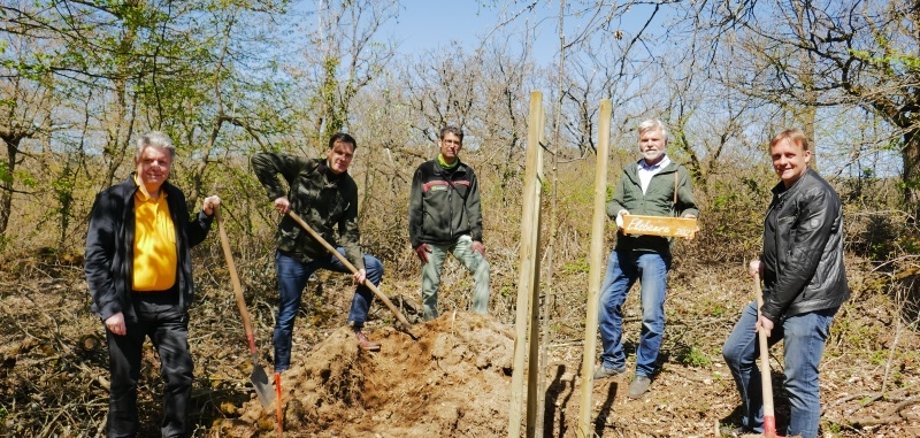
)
(660, 226)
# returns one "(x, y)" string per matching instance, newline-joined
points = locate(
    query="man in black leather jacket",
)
(804, 285)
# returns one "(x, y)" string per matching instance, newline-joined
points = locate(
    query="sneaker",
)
(366, 344)
(603, 371)
(639, 386)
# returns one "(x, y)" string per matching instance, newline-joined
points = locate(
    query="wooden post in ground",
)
(527, 313)
(534, 368)
(596, 258)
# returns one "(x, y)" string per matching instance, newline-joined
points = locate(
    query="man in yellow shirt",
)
(139, 270)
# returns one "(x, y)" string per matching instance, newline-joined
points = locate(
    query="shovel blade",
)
(263, 388)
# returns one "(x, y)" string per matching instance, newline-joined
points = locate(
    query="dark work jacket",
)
(803, 249)
(444, 205)
(110, 248)
(327, 202)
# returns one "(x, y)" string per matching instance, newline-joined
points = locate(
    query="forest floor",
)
(454, 380)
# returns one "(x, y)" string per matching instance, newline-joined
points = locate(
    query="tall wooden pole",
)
(534, 364)
(528, 271)
(598, 225)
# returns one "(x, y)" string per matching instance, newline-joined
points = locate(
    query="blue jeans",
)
(623, 269)
(804, 338)
(292, 278)
(474, 262)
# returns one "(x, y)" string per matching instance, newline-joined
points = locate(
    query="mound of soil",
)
(453, 381)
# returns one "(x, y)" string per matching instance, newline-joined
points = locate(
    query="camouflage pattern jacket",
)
(326, 201)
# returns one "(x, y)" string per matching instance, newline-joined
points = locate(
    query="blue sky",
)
(430, 24)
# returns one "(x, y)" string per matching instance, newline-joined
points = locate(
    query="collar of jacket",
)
(459, 168)
(632, 170)
(331, 177)
(131, 181)
(780, 190)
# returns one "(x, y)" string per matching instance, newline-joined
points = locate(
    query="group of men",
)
(138, 263)
(801, 264)
(138, 256)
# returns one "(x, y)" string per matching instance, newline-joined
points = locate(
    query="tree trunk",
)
(910, 158)
(6, 197)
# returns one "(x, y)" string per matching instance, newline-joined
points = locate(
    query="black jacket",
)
(110, 248)
(444, 205)
(803, 249)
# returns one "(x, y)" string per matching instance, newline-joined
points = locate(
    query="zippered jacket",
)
(658, 200)
(803, 249)
(110, 247)
(444, 205)
(325, 201)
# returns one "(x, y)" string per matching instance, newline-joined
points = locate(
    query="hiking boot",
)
(639, 386)
(366, 344)
(602, 372)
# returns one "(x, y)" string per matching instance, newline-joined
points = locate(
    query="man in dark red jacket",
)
(445, 218)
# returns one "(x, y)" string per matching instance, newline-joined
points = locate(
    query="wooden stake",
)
(529, 272)
(534, 365)
(598, 227)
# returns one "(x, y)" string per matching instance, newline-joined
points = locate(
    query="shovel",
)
(258, 377)
(399, 316)
(766, 383)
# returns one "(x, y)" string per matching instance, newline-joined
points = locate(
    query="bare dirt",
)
(454, 380)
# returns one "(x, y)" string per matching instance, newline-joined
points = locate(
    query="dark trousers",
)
(167, 327)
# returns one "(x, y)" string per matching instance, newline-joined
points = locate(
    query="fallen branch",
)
(890, 417)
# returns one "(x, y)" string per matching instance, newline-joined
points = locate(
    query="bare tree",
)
(855, 53)
(26, 109)
(345, 54)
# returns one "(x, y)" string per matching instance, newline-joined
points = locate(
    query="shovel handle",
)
(399, 316)
(766, 383)
(235, 281)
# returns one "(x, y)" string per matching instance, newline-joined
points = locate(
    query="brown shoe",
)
(366, 344)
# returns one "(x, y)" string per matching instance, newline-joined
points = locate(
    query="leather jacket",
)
(803, 249)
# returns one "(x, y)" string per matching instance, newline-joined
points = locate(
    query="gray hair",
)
(155, 139)
(654, 125)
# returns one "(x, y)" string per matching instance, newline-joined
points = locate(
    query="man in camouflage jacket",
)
(322, 193)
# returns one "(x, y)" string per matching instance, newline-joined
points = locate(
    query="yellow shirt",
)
(155, 260)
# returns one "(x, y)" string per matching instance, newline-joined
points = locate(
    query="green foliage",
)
(577, 266)
(5, 176)
(63, 188)
(716, 309)
(26, 178)
(878, 357)
(893, 61)
(693, 356)
(732, 206)
(336, 114)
